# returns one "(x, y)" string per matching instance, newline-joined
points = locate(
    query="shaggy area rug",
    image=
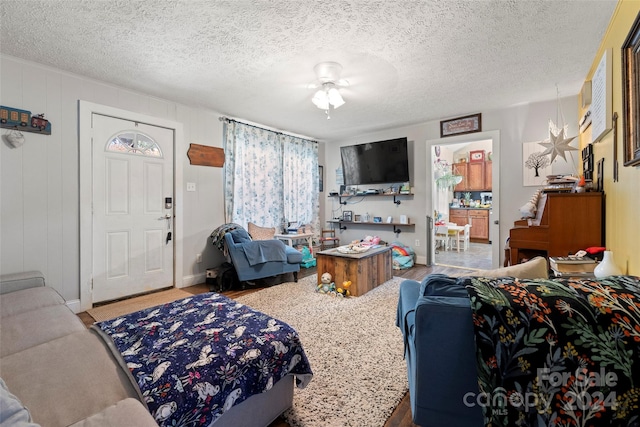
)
(354, 347)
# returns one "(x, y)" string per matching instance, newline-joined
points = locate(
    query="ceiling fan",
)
(328, 96)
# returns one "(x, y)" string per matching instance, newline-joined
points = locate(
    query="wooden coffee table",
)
(366, 270)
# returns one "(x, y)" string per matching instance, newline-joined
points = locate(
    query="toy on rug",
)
(307, 258)
(326, 286)
(344, 290)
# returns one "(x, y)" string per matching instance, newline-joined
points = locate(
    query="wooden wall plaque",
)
(204, 155)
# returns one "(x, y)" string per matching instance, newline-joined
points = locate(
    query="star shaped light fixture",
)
(558, 142)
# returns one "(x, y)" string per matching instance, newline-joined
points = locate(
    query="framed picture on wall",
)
(347, 216)
(461, 125)
(630, 93)
(536, 166)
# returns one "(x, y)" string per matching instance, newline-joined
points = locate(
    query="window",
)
(134, 143)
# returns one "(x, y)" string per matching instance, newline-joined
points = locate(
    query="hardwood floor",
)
(401, 417)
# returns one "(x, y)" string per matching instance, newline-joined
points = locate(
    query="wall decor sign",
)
(23, 120)
(204, 155)
(630, 93)
(601, 103)
(461, 125)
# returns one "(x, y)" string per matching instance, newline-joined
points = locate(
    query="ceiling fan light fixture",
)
(335, 98)
(328, 71)
(321, 100)
(328, 97)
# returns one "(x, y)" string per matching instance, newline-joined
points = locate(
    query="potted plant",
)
(445, 179)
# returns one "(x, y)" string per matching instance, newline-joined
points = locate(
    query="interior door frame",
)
(494, 219)
(85, 175)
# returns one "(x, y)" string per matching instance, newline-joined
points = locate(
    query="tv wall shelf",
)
(395, 196)
(342, 225)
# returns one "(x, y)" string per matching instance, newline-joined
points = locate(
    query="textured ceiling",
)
(407, 62)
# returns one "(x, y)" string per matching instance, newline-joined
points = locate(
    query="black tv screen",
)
(375, 162)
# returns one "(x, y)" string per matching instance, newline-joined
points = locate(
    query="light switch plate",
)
(191, 186)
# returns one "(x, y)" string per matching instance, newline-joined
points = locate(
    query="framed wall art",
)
(461, 125)
(347, 216)
(536, 165)
(630, 94)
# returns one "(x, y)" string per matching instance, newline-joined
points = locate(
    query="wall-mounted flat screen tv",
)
(377, 162)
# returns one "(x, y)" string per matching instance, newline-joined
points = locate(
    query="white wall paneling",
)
(39, 185)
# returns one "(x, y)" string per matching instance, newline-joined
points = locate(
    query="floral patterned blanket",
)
(195, 358)
(562, 352)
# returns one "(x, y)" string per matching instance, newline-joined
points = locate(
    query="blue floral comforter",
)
(195, 358)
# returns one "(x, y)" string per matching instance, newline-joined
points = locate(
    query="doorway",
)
(483, 253)
(125, 213)
(132, 208)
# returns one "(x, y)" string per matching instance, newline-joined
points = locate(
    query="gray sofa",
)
(56, 372)
(53, 370)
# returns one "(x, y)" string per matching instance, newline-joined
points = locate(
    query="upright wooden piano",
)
(564, 224)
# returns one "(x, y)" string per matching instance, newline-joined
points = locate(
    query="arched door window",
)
(131, 142)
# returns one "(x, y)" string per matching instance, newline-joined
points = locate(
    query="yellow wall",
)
(622, 197)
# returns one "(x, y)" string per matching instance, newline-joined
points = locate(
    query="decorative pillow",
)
(12, 411)
(261, 233)
(535, 268)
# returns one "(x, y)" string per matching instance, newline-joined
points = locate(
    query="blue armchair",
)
(435, 319)
(256, 259)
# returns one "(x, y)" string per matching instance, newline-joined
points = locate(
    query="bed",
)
(208, 359)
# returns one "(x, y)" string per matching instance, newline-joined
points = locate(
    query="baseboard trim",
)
(74, 305)
(194, 279)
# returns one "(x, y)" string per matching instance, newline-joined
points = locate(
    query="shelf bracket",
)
(341, 202)
(396, 230)
(342, 227)
(397, 202)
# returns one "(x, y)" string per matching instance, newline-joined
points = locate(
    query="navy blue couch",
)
(436, 321)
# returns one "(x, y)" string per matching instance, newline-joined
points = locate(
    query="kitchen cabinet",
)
(461, 170)
(488, 175)
(476, 176)
(478, 218)
(458, 216)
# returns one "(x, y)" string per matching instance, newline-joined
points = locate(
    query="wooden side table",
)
(366, 270)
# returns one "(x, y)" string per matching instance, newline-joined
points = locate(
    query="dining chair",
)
(328, 239)
(465, 238)
(442, 236)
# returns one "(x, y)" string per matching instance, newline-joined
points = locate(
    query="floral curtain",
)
(301, 180)
(270, 178)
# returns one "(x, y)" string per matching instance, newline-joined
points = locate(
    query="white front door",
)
(132, 208)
